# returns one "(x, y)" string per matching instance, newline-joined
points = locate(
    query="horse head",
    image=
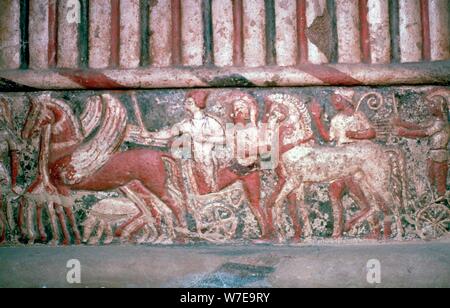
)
(38, 116)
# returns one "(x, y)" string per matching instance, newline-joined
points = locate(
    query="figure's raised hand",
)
(138, 135)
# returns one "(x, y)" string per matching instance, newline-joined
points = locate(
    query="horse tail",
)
(173, 169)
(398, 177)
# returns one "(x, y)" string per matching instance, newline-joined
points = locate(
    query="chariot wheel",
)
(433, 221)
(219, 222)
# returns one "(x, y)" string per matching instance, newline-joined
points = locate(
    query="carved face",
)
(437, 106)
(191, 106)
(240, 110)
(278, 114)
(338, 102)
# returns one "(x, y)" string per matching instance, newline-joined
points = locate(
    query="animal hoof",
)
(53, 243)
(108, 240)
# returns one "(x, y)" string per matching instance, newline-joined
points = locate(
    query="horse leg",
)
(304, 211)
(269, 204)
(286, 190)
(146, 236)
(335, 193)
(109, 234)
(135, 232)
(128, 231)
(292, 205)
(360, 198)
(40, 224)
(139, 195)
(62, 221)
(178, 214)
(10, 215)
(73, 224)
(2, 222)
(387, 224)
(20, 217)
(383, 199)
(3, 235)
(367, 210)
(98, 234)
(440, 174)
(53, 223)
(88, 227)
(122, 227)
(30, 223)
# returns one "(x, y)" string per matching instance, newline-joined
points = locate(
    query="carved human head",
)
(244, 107)
(196, 100)
(342, 99)
(437, 102)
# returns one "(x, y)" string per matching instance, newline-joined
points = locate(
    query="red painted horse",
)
(68, 162)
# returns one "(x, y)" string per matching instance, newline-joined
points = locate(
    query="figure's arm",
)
(408, 125)
(362, 130)
(412, 133)
(316, 112)
(141, 136)
(166, 134)
(362, 134)
(419, 131)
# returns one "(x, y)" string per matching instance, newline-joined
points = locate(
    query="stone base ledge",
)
(408, 264)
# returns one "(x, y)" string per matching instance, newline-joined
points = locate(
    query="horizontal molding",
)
(436, 73)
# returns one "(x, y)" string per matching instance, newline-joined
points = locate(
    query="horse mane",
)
(299, 117)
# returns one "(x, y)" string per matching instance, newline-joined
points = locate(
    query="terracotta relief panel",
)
(282, 165)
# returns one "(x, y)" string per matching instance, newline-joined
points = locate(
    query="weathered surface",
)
(100, 38)
(275, 43)
(314, 162)
(402, 265)
(10, 35)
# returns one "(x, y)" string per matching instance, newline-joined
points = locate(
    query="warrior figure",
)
(205, 132)
(437, 129)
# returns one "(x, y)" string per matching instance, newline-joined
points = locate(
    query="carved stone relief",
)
(224, 165)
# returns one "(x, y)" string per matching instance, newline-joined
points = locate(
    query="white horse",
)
(366, 161)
